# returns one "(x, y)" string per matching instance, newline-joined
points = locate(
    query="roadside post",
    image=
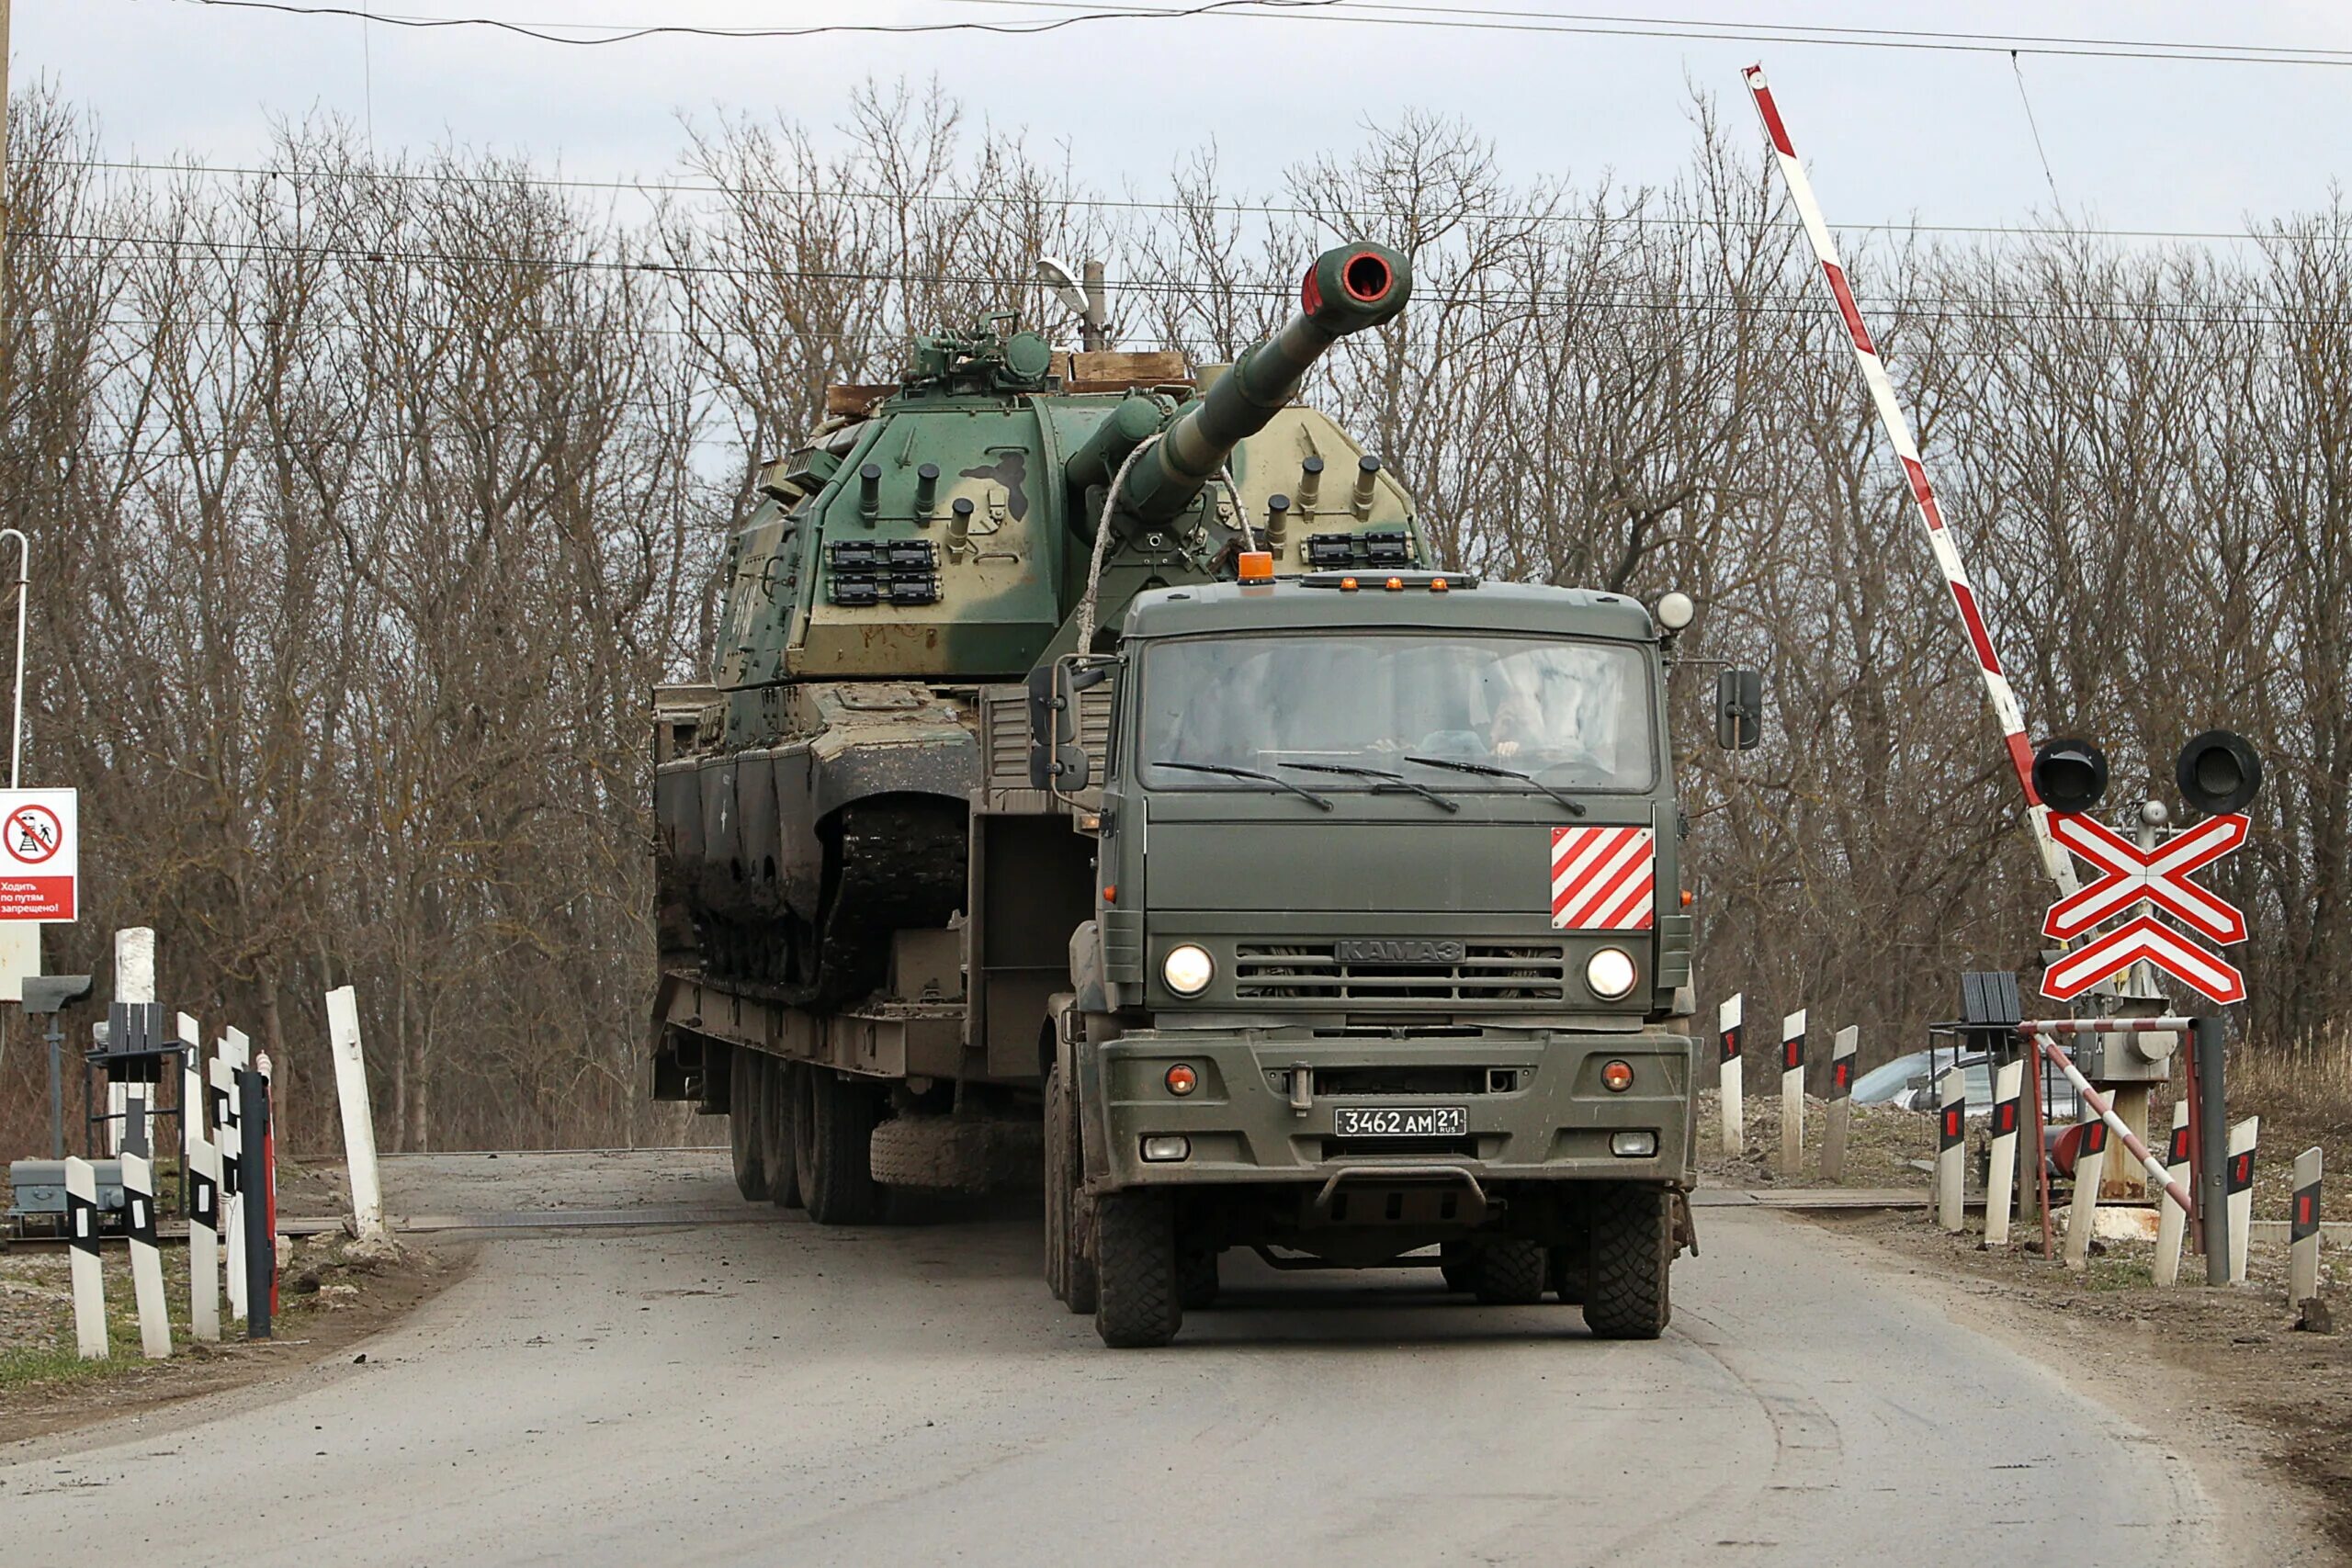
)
(204, 1240)
(1793, 1093)
(2001, 1161)
(1951, 1149)
(2243, 1138)
(81, 1235)
(2209, 1113)
(358, 1121)
(146, 1264)
(2090, 1166)
(2172, 1220)
(1730, 1076)
(1841, 1103)
(2303, 1231)
(227, 1059)
(260, 1248)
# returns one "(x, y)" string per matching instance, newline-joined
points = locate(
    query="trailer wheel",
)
(779, 1081)
(828, 1146)
(1137, 1305)
(1068, 1271)
(1509, 1272)
(1625, 1295)
(744, 1141)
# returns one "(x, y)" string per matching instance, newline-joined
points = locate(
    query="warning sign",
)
(39, 855)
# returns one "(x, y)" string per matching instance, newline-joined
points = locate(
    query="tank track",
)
(891, 864)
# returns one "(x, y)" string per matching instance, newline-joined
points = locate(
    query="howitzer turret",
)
(935, 538)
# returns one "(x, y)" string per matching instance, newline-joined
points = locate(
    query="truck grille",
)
(1486, 972)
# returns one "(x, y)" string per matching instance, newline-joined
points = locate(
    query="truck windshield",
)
(1573, 715)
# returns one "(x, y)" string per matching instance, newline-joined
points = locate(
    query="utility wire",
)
(1389, 13)
(2034, 125)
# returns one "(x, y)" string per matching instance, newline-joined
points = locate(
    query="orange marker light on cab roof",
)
(1257, 565)
(1395, 585)
(1438, 585)
(1347, 585)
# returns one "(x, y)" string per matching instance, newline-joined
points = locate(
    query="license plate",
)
(1400, 1120)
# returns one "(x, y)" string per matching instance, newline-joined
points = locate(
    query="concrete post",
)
(1951, 1149)
(2302, 1231)
(2172, 1220)
(146, 1264)
(1730, 1076)
(2090, 1165)
(2001, 1166)
(1792, 1094)
(358, 1122)
(1841, 1103)
(2243, 1139)
(89, 1282)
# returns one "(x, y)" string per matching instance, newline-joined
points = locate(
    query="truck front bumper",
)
(1267, 1107)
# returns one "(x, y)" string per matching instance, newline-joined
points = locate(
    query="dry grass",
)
(2304, 1098)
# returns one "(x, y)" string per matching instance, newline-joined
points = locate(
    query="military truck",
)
(1097, 777)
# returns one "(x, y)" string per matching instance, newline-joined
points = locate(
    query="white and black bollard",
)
(260, 1246)
(2302, 1231)
(2001, 1160)
(2082, 1217)
(2172, 1220)
(146, 1263)
(1951, 1149)
(358, 1121)
(201, 1168)
(89, 1281)
(2243, 1139)
(226, 1059)
(1730, 1076)
(1793, 1093)
(1841, 1103)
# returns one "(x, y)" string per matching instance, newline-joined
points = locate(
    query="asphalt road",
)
(772, 1393)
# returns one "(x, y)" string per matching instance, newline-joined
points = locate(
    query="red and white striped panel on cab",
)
(1603, 879)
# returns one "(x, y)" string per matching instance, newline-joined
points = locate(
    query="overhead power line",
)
(659, 187)
(1374, 13)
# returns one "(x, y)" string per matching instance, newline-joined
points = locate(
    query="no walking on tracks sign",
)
(40, 854)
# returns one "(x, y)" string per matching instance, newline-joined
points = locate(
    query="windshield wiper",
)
(1233, 773)
(1576, 807)
(1389, 784)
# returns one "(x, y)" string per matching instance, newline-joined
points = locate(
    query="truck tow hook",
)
(1302, 1088)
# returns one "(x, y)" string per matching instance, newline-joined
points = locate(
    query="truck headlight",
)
(1609, 972)
(1188, 967)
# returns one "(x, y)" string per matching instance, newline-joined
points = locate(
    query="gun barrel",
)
(1346, 290)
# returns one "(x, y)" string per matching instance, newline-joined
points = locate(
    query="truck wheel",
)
(828, 1142)
(1137, 1305)
(1197, 1281)
(1068, 1271)
(1457, 1262)
(743, 1141)
(1509, 1272)
(1625, 1283)
(779, 1080)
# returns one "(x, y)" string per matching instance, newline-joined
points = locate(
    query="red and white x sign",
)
(2160, 876)
(2130, 873)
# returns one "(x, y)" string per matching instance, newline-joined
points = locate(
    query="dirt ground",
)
(1880, 1144)
(330, 1298)
(2233, 1351)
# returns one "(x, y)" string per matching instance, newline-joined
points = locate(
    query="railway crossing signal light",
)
(2219, 773)
(2070, 775)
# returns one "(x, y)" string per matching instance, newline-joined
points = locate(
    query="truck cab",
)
(1389, 951)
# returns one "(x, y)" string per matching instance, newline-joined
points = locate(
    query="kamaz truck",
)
(1099, 782)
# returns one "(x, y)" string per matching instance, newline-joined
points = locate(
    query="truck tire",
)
(836, 1120)
(955, 1154)
(1069, 1271)
(1625, 1295)
(778, 1080)
(1196, 1281)
(1137, 1305)
(1509, 1272)
(743, 1141)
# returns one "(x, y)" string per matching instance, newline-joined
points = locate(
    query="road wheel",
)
(780, 1082)
(743, 1141)
(1625, 1282)
(829, 1148)
(1509, 1272)
(1068, 1270)
(1197, 1281)
(1137, 1302)
(1457, 1261)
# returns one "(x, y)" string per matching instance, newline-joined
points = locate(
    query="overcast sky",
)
(1938, 136)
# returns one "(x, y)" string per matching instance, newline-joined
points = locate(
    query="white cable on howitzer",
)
(1240, 513)
(1997, 691)
(1101, 542)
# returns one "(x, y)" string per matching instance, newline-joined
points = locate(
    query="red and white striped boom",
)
(1997, 692)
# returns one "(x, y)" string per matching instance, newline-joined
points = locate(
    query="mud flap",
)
(1686, 1232)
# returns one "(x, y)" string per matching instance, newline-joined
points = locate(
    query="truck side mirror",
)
(1740, 709)
(1073, 768)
